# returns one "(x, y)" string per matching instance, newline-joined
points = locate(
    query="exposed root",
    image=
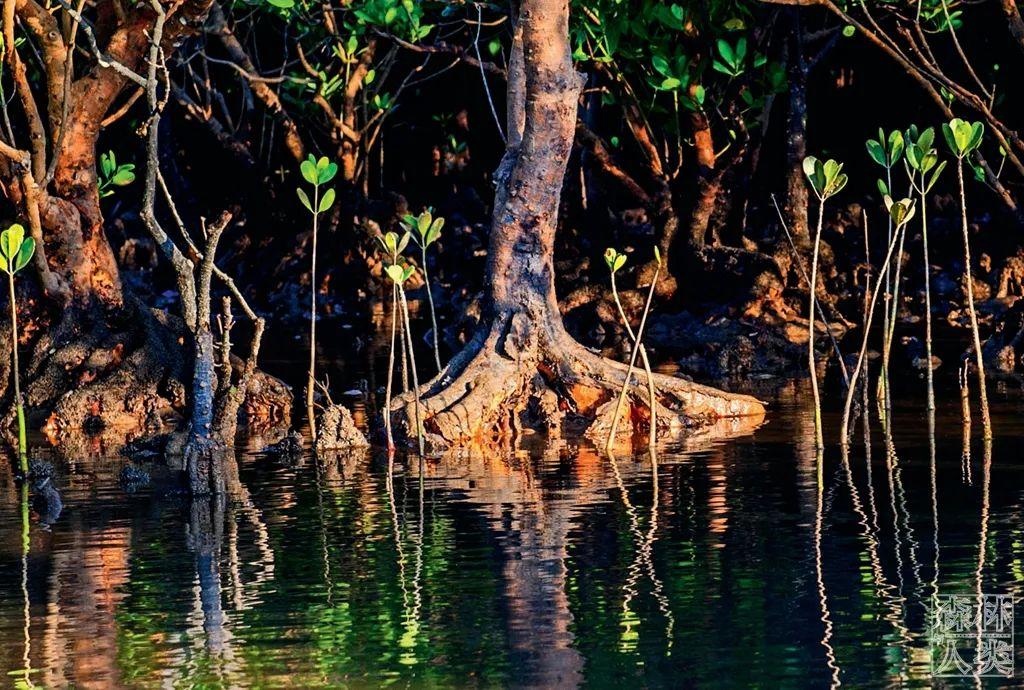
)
(504, 383)
(92, 372)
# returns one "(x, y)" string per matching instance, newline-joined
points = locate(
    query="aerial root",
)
(496, 393)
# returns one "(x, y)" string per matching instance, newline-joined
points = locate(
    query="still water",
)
(731, 563)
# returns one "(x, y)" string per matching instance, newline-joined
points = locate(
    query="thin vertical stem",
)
(818, 435)
(310, 383)
(430, 300)
(638, 347)
(22, 444)
(927, 299)
(861, 356)
(884, 376)
(986, 420)
(391, 367)
(412, 368)
(26, 544)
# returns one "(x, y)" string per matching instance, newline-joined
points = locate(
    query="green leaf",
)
(308, 170)
(977, 132)
(927, 138)
(657, 254)
(395, 273)
(326, 173)
(370, 76)
(107, 164)
(283, 4)
(896, 145)
(815, 174)
(670, 84)
(326, 201)
(914, 156)
(660, 65)
(741, 52)
(28, 248)
(407, 273)
(609, 258)
(304, 198)
(435, 231)
(849, 30)
(699, 93)
(935, 177)
(10, 241)
(423, 223)
(725, 50)
(404, 242)
(947, 133)
(125, 175)
(876, 151)
(620, 261)
(882, 187)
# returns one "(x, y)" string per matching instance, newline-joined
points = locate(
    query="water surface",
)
(730, 564)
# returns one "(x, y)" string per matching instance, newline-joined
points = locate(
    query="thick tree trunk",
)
(522, 368)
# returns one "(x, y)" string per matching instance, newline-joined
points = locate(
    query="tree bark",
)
(796, 199)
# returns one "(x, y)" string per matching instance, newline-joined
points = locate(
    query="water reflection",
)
(749, 561)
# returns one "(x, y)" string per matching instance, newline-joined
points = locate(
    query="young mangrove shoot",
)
(317, 173)
(16, 250)
(400, 274)
(900, 213)
(886, 151)
(427, 232)
(963, 139)
(615, 261)
(393, 246)
(827, 179)
(923, 168)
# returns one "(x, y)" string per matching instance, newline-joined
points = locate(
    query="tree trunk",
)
(522, 368)
(796, 199)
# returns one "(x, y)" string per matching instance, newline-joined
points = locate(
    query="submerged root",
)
(505, 384)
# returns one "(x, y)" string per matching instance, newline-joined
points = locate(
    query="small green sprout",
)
(924, 169)
(398, 275)
(900, 211)
(427, 229)
(963, 137)
(615, 260)
(112, 174)
(316, 172)
(16, 250)
(393, 244)
(922, 158)
(827, 179)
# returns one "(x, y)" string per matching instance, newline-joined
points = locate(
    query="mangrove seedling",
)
(17, 251)
(615, 261)
(317, 173)
(827, 179)
(900, 213)
(393, 246)
(886, 151)
(400, 274)
(427, 231)
(924, 168)
(963, 139)
(113, 174)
